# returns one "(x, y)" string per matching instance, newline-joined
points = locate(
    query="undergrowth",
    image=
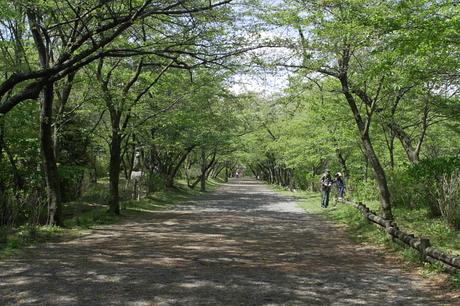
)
(90, 211)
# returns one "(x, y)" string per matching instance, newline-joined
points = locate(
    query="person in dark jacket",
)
(340, 184)
(326, 182)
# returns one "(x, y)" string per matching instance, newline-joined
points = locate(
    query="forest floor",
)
(241, 245)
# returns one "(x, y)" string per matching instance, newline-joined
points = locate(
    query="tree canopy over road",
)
(101, 89)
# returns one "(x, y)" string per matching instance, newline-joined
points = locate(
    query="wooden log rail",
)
(450, 263)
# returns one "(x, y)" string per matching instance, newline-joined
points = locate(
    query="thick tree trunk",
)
(114, 173)
(385, 204)
(46, 121)
(49, 159)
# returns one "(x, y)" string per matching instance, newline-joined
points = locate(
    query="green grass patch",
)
(14, 239)
(419, 223)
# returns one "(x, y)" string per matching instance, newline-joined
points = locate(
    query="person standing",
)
(340, 184)
(326, 182)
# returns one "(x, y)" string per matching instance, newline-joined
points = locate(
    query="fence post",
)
(364, 210)
(424, 243)
(387, 226)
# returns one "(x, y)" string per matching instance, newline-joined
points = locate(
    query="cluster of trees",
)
(90, 88)
(374, 84)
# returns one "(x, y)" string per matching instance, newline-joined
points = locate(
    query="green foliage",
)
(432, 184)
(302, 178)
(403, 192)
(72, 182)
(429, 169)
(454, 282)
(153, 182)
(365, 190)
(409, 254)
(16, 238)
(92, 217)
(419, 222)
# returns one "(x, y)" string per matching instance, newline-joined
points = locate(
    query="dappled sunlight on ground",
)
(242, 245)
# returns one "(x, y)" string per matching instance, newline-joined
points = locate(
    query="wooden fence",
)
(450, 263)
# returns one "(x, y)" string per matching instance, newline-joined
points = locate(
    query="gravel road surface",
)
(241, 245)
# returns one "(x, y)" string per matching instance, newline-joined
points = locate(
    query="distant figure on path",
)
(326, 182)
(340, 184)
(236, 174)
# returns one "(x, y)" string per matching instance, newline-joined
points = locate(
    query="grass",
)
(414, 222)
(90, 210)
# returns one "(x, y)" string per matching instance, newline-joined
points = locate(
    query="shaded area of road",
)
(242, 245)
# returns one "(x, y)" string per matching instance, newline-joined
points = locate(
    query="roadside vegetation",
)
(89, 211)
(101, 99)
(416, 222)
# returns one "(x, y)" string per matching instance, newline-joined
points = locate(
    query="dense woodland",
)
(93, 91)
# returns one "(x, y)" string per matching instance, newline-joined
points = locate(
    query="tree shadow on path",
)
(242, 245)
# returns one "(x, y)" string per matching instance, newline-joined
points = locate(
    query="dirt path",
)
(243, 245)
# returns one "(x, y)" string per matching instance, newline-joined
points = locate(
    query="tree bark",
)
(205, 167)
(49, 159)
(46, 98)
(406, 142)
(171, 174)
(342, 163)
(114, 172)
(385, 204)
(384, 193)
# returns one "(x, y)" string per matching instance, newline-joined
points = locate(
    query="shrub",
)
(302, 178)
(366, 189)
(429, 177)
(432, 184)
(404, 193)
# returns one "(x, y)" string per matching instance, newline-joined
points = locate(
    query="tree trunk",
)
(390, 140)
(204, 168)
(385, 204)
(171, 174)
(406, 142)
(4, 211)
(291, 179)
(343, 164)
(46, 120)
(49, 159)
(384, 193)
(114, 173)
